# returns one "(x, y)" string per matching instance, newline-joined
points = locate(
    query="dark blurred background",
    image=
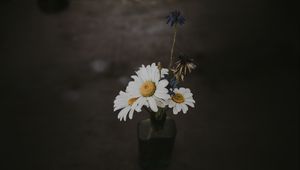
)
(63, 64)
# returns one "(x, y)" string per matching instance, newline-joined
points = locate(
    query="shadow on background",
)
(53, 6)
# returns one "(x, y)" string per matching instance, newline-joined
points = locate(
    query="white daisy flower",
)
(149, 88)
(181, 98)
(127, 103)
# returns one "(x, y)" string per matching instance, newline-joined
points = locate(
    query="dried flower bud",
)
(182, 67)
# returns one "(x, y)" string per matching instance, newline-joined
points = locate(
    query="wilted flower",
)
(183, 66)
(175, 17)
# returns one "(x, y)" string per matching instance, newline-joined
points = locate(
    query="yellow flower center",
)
(178, 98)
(148, 88)
(131, 101)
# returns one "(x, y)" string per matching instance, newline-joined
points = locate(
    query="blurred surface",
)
(61, 72)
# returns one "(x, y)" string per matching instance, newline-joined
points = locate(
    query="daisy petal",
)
(131, 113)
(162, 83)
(190, 104)
(152, 104)
(175, 111)
(184, 108)
(178, 108)
(162, 95)
(123, 113)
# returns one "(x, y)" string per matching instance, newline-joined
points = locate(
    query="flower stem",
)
(148, 110)
(173, 44)
(158, 119)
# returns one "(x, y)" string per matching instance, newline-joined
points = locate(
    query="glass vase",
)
(156, 137)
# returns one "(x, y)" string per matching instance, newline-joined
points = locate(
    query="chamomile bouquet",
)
(156, 88)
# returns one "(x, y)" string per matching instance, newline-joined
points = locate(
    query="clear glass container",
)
(156, 137)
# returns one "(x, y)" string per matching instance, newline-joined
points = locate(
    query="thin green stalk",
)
(173, 45)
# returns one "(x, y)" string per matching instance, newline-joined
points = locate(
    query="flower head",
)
(175, 18)
(180, 99)
(127, 103)
(183, 66)
(148, 87)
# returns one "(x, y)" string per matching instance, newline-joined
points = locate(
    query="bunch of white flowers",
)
(151, 88)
